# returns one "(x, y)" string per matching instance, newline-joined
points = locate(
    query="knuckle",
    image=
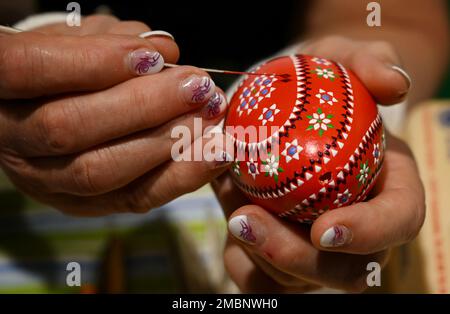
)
(55, 129)
(81, 174)
(93, 173)
(82, 170)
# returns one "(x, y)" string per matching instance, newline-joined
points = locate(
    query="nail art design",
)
(336, 236)
(200, 91)
(198, 88)
(146, 62)
(216, 105)
(240, 228)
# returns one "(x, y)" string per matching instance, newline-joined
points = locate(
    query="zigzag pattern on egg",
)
(328, 147)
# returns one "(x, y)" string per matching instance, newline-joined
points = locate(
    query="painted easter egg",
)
(307, 140)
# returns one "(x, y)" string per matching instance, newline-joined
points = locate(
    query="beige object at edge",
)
(423, 266)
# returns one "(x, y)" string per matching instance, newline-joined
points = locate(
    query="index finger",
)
(35, 64)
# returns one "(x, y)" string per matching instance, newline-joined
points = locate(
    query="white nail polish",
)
(156, 33)
(198, 89)
(404, 74)
(215, 107)
(240, 227)
(145, 62)
(336, 236)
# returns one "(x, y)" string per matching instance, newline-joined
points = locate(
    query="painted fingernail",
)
(404, 74)
(336, 236)
(156, 34)
(215, 107)
(198, 89)
(144, 62)
(241, 228)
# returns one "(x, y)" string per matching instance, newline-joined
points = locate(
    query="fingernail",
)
(215, 107)
(156, 33)
(336, 236)
(198, 89)
(241, 228)
(404, 74)
(144, 62)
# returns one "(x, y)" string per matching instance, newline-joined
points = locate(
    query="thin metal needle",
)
(11, 30)
(170, 65)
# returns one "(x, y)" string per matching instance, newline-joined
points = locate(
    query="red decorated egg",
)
(306, 140)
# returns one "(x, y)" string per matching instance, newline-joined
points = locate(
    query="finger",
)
(36, 64)
(163, 41)
(286, 246)
(375, 63)
(107, 24)
(151, 190)
(115, 164)
(391, 218)
(71, 124)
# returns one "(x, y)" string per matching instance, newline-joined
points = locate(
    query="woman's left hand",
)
(282, 256)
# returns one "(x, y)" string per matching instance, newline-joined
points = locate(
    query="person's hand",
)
(84, 128)
(282, 256)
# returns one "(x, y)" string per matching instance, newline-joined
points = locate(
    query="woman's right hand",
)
(84, 129)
